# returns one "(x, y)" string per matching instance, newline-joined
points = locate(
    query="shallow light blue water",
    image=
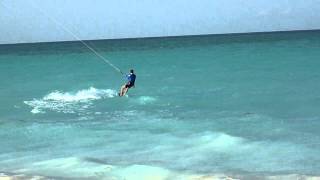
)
(243, 104)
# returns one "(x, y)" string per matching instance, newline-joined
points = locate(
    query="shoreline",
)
(158, 174)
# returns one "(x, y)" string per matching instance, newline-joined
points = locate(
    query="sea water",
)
(225, 104)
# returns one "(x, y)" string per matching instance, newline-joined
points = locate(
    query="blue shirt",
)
(131, 78)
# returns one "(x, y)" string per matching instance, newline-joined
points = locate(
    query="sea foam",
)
(143, 100)
(69, 102)
(82, 95)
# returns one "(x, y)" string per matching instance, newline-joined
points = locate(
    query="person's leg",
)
(125, 91)
(122, 90)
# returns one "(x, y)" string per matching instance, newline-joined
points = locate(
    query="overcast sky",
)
(34, 20)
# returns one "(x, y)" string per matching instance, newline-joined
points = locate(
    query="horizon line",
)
(164, 37)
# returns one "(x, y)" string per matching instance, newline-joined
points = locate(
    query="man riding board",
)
(131, 78)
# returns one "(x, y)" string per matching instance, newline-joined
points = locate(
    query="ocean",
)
(239, 106)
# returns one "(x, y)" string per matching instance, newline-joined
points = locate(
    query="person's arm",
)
(126, 76)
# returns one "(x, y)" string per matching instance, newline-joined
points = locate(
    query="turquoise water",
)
(229, 104)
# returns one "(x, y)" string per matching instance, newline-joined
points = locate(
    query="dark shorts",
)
(129, 85)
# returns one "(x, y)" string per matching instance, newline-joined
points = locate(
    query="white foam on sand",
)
(147, 172)
(73, 167)
(141, 172)
(69, 102)
(70, 167)
(78, 168)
